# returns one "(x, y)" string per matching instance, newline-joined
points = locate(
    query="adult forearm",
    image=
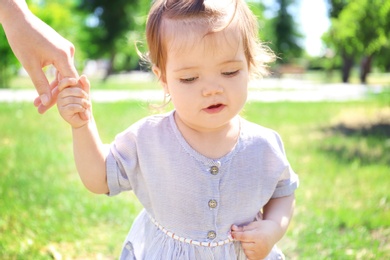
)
(90, 158)
(11, 10)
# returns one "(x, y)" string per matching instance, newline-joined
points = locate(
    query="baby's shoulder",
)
(253, 130)
(149, 125)
(261, 137)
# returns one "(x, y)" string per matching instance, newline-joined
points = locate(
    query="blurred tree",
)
(336, 6)
(285, 34)
(63, 17)
(57, 14)
(8, 62)
(111, 24)
(258, 9)
(359, 30)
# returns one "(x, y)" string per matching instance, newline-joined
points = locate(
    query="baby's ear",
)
(157, 71)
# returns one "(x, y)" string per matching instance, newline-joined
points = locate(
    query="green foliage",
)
(336, 6)
(360, 28)
(8, 62)
(286, 36)
(62, 16)
(98, 29)
(113, 27)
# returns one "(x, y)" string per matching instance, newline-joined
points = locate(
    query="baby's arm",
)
(75, 107)
(258, 237)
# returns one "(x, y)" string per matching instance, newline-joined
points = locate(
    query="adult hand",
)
(257, 238)
(37, 45)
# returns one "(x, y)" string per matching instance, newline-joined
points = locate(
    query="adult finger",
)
(53, 84)
(41, 84)
(65, 65)
(54, 93)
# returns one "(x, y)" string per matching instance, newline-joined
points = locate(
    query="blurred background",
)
(345, 40)
(328, 96)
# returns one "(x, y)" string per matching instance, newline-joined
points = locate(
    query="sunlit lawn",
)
(343, 203)
(145, 81)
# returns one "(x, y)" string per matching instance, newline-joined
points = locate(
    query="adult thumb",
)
(41, 84)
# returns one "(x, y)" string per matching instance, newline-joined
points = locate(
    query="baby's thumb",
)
(236, 228)
(85, 85)
(84, 82)
(237, 232)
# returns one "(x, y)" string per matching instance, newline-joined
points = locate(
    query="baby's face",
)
(206, 76)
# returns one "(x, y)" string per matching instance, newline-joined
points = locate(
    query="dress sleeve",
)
(287, 184)
(288, 181)
(121, 163)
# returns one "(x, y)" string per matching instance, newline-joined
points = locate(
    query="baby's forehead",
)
(185, 36)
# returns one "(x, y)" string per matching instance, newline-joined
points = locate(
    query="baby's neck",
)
(212, 144)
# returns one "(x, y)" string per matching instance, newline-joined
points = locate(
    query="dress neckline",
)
(198, 156)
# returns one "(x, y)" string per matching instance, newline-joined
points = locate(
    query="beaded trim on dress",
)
(190, 241)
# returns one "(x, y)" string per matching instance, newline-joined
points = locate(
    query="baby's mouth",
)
(213, 109)
(214, 106)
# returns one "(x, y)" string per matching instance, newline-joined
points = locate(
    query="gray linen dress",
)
(191, 201)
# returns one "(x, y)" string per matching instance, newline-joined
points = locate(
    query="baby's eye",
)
(188, 80)
(230, 73)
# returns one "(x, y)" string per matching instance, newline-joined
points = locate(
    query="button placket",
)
(213, 204)
(211, 235)
(214, 169)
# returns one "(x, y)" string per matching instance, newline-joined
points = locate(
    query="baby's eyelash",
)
(230, 73)
(188, 80)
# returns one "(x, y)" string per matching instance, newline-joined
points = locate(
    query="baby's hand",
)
(73, 101)
(257, 238)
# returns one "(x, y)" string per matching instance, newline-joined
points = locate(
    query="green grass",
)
(343, 203)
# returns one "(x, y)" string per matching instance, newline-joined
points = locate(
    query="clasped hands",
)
(73, 102)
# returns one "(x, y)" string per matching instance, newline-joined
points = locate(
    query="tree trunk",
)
(110, 68)
(346, 67)
(365, 68)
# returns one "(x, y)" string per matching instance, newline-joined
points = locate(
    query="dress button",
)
(214, 170)
(213, 204)
(211, 234)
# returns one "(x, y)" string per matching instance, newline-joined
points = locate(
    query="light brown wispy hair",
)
(213, 15)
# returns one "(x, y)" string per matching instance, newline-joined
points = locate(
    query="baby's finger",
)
(248, 246)
(71, 108)
(85, 84)
(244, 236)
(71, 100)
(236, 228)
(250, 254)
(73, 92)
(66, 82)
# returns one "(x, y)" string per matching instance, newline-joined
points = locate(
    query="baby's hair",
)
(214, 15)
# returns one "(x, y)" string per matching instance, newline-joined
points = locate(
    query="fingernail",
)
(44, 99)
